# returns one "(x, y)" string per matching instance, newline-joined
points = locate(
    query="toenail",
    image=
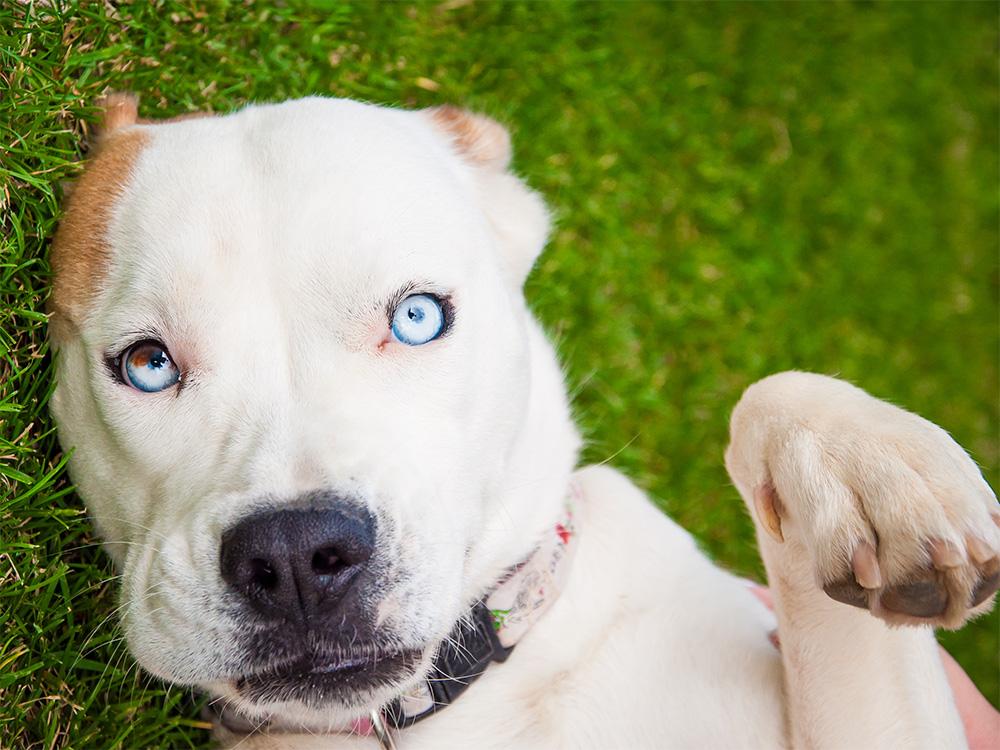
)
(865, 565)
(979, 550)
(945, 554)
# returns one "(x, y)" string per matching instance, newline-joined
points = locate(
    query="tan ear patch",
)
(80, 253)
(480, 140)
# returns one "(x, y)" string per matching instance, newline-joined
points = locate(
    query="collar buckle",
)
(382, 733)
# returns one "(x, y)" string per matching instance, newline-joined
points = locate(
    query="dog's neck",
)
(495, 624)
(529, 489)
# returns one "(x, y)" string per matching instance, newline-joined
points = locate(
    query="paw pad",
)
(847, 592)
(916, 599)
(956, 580)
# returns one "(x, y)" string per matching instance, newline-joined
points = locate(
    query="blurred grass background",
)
(740, 188)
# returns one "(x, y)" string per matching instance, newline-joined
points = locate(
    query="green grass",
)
(740, 189)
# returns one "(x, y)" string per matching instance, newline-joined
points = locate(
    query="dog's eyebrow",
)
(398, 296)
(123, 340)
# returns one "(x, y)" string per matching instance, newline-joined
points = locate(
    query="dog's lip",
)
(341, 665)
(349, 662)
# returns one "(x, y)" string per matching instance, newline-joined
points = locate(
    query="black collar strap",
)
(463, 657)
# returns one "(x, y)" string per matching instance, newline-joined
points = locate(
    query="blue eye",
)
(418, 319)
(147, 367)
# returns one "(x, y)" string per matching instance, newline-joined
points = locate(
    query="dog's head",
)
(307, 405)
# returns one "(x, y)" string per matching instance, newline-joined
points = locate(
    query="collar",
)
(487, 634)
(494, 625)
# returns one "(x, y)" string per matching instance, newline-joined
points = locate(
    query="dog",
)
(331, 453)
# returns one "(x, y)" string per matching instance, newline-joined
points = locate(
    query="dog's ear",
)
(478, 139)
(518, 215)
(119, 109)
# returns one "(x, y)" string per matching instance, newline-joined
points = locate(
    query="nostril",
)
(263, 574)
(326, 562)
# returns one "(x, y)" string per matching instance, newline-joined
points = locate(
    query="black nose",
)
(297, 564)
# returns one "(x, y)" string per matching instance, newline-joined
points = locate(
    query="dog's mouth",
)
(344, 676)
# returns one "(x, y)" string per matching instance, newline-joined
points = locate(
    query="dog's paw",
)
(895, 516)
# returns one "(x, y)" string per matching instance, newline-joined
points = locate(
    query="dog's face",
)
(307, 406)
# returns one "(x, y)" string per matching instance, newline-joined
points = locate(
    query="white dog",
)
(332, 454)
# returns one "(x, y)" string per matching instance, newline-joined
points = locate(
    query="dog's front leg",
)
(863, 509)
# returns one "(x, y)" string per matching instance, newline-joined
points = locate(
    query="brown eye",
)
(148, 367)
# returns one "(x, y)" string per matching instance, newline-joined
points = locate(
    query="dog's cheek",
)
(176, 626)
(92, 456)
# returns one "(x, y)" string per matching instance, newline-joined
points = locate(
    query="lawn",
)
(740, 189)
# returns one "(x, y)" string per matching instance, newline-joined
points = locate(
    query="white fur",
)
(261, 247)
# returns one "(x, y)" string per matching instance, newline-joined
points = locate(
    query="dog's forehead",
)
(328, 176)
(311, 191)
(362, 153)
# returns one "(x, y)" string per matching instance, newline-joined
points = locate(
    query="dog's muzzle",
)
(302, 581)
(487, 634)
